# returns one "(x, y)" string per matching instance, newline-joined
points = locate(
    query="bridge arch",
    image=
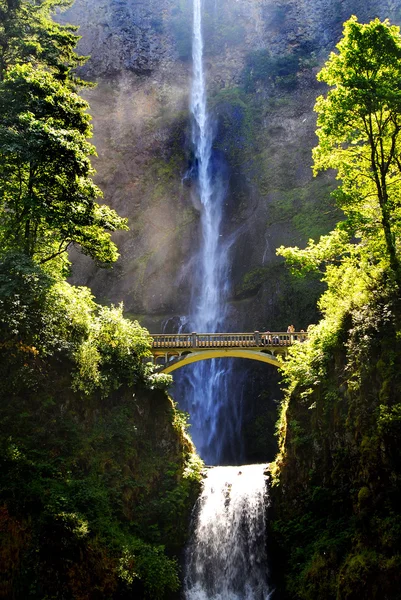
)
(193, 357)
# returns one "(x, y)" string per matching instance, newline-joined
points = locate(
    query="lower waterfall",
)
(226, 557)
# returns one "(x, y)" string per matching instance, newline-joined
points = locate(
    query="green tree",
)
(47, 196)
(359, 130)
(29, 34)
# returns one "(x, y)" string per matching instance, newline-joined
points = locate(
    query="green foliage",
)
(339, 433)
(258, 432)
(252, 282)
(160, 381)
(235, 122)
(86, 428)
(150, 564)
(42, 316)
(95, 462)
(340, 421)
(29, 35)
(314, 257)
(221, 29)
(47, 196)
(359, 136)
(193, 468)
(294, 299)
(181, 27)
(309, 209)
(118, 347)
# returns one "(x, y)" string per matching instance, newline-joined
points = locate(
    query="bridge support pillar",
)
(193, 339)
(257, 338)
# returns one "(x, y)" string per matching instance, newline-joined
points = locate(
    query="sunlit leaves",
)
(44, 316)
(329, 249)
(359, 125)
(29, 35)
(47, 195)
(150, 564)
(359, 130)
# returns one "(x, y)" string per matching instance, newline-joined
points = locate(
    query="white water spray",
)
(226, 559)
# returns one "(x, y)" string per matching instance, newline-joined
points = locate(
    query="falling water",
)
(215, 416)
(226, 559)
(207, 307)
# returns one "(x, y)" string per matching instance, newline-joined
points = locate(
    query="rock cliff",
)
(336, 500)
(262, 58)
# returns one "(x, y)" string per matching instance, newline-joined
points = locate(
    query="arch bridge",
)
(173, 351)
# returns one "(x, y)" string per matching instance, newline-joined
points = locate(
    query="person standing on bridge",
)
(290, 330)
(266, 338)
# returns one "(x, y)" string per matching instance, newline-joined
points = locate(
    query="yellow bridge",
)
(173, 351)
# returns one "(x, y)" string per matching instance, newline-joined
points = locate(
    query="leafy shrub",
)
(149, 563)
(43, 316)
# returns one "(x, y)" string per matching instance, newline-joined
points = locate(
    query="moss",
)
(121, 478)
(222, 27)
(290, 300)
(261, 68)
(258, 431)
(364, 496)
(252, 282)
(180, 20)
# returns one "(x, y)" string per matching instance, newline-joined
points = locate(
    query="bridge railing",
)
(178, 340)
(227, 340)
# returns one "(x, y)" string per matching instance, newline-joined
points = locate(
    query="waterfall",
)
(203, 389)
(207, 307)
(226, 559)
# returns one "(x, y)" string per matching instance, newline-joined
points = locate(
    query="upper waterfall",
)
(207, 307)
(215, 417)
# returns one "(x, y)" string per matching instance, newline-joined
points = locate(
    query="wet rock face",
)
(261, 58)
(321, 20)
(121, 35)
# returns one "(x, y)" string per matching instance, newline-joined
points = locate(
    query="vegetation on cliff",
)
(264, 162)
(337, 489)
(97, 473)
